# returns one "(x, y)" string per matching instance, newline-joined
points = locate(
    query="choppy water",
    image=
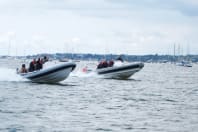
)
(161, 97)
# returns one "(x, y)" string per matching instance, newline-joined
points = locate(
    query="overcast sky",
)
(98, 26)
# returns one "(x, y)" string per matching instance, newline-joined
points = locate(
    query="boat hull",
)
(121, 72)
(53, 74)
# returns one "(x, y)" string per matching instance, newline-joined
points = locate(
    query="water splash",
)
(84, 74)
(9, 75)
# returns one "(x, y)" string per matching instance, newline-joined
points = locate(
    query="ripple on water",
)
(153, 100)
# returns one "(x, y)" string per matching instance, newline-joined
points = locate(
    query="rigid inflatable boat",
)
(53, 74)
(123, 71)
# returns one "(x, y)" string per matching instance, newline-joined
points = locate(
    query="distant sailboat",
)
(181, 60)
(184, 63)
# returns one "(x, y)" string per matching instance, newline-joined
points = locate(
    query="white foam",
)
(9, 75)
(83, 74)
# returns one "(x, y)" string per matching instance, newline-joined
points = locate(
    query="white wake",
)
(7, 74)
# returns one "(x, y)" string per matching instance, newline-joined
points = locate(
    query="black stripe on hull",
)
(118, 69)
(51, 71)
(53, 77)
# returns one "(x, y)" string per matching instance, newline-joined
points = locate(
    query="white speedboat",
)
(53, 74)
(124, 71)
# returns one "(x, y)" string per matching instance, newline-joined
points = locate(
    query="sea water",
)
(161, 97)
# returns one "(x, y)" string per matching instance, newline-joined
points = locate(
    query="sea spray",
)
(9, 75)
(82, 74)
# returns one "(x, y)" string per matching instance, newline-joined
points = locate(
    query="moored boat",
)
(184, 64)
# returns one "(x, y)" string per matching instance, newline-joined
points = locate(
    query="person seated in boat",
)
(45, 59)
(23, 69)
(39, 64)
(99, 65)
(110, 63)
(105, 64)
(102, 64)
(32, 66)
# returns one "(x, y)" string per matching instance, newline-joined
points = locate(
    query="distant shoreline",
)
(130, 58)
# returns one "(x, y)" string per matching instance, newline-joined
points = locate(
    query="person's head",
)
(45, 58)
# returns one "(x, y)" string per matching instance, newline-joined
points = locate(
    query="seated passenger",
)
(39, 64)
(111, 62)
(32, 66)
(23, 69)
(45, 59)
(105, 64)
(102, 64)
(99, 65)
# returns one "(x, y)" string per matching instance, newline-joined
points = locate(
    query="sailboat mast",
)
(174, 53)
